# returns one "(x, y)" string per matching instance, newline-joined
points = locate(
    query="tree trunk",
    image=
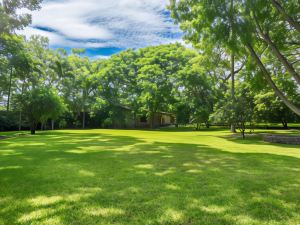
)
(134, 120)
(243, 134)
(152, 120)
(285, 125)
(289, 67)
(52, 124)
(293, 23)
(20, 113)
(9, 89)
(32, 128)
(83, 120)
(232, 126)
(268, 77)
(20, 120)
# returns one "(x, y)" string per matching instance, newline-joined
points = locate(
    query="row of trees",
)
(42, 84)
(226, 80)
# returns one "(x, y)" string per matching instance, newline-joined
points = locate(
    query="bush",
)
(108, 123)
(8, 121)
(62, 124)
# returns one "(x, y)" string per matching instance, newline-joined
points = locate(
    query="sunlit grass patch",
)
(147, 177)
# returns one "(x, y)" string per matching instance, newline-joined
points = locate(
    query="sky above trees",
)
(104, 27)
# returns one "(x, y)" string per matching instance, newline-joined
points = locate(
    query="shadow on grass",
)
(98, 178)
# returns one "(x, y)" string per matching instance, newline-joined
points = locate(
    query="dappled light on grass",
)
(10, 167)
(86, 173)
(104, 212)
(144, 177)
(36, 215)
(144, 166)
(44, 200)
(172, 216)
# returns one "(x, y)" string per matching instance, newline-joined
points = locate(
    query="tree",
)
(213, 21)
(269, 108)
(241, 112)
(183, 113)
(77, 84)
(197, 87)
(41, 104)
(116, 82)
(11, 19)
(157, 75)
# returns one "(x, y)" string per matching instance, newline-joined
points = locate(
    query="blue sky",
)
(104, 27)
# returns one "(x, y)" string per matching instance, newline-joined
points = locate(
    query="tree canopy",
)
(243, 68)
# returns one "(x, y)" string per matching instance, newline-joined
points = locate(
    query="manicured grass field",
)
(147, 177)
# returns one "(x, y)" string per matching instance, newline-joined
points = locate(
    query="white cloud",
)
(104, 23)
(59, 41)
(99, 57)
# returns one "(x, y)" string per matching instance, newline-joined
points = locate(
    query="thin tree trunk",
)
(232, 77)
(20, 120)
(289, 67)
(293, 23)
(268, 77)
(9, 89)
(52, 124)
(84, 94)
(20, 113)
(83, 119)
(232, 127)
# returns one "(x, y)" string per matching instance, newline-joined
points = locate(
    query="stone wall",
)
(282, 139)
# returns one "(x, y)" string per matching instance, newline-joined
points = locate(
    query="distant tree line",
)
(226, 79)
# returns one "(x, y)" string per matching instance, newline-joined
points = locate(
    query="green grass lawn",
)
(147, 177)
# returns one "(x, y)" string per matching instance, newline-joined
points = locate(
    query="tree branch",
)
(293, 23)
(268, 77)
(289, 67)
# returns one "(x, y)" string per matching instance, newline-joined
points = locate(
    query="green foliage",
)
(11, 19)
(41, 104)
(62, 124)
(266, 30)
(268, 108)
(8, 121)
(164, 78)
(182, 113)
(239, 111)
(198, 91)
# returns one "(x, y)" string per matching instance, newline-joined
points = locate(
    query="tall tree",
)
(210, 21)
